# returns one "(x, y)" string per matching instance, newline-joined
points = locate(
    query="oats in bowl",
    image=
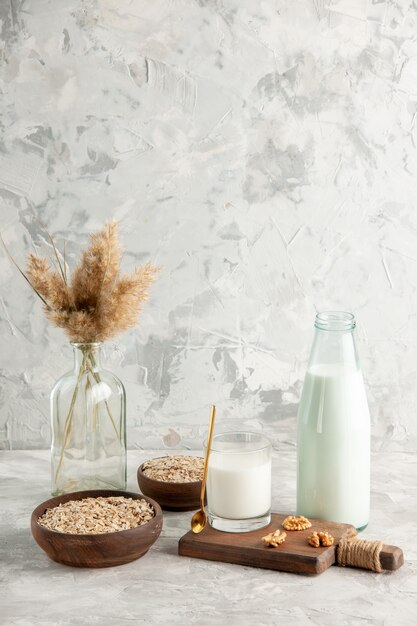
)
(96, 528)
(93, 516)
(175, 469)
(173, 481)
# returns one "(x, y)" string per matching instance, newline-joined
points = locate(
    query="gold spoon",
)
(199, 519)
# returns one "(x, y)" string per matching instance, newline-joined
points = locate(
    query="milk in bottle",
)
(333, 430)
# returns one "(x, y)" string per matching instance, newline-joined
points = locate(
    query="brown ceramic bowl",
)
(171, 496)
(103, 550)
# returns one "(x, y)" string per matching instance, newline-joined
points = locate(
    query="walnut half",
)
(274, 539)
(326, 539)
(321, 538)
(314, 540)
(296, 522)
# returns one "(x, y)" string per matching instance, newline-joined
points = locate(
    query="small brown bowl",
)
(103, 550)
(171, 496)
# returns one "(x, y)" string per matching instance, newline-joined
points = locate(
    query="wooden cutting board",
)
(294, 555)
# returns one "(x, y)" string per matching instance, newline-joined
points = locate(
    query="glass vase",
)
(88, 410)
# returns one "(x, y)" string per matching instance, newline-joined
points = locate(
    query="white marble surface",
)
(263, 152)
(163, 588)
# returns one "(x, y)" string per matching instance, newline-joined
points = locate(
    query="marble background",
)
(263, 152)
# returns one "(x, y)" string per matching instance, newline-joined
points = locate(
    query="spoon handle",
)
(206, 460)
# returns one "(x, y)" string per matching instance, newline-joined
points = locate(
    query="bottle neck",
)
(86, 356)
(334, 342)
(335, 322)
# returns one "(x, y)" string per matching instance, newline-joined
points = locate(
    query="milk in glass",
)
(239, 482)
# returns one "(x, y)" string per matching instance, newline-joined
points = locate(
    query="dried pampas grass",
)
(96, 302)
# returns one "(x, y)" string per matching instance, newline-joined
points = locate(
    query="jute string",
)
(359, 552)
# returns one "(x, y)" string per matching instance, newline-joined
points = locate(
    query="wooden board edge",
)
(312, 565)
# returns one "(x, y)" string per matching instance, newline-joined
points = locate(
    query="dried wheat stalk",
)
(96, 302)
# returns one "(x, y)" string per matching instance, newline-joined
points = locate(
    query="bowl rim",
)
(85, 536)
(168, 482)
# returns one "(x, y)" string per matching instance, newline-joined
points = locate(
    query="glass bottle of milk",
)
(333, 431)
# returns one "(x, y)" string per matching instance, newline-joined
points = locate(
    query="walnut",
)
(326, 539)
(275, 539)
(314, 540)
(296, 522)
(321, 538)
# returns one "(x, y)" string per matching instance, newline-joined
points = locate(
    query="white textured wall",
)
(263, 152)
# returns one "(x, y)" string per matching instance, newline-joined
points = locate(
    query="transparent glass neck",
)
(86, 356)
(334, 342)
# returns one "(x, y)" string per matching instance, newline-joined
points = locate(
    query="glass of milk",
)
(239, 482)
(333, 431)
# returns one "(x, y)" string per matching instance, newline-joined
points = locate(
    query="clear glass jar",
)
(333, 431)
(88, 411)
